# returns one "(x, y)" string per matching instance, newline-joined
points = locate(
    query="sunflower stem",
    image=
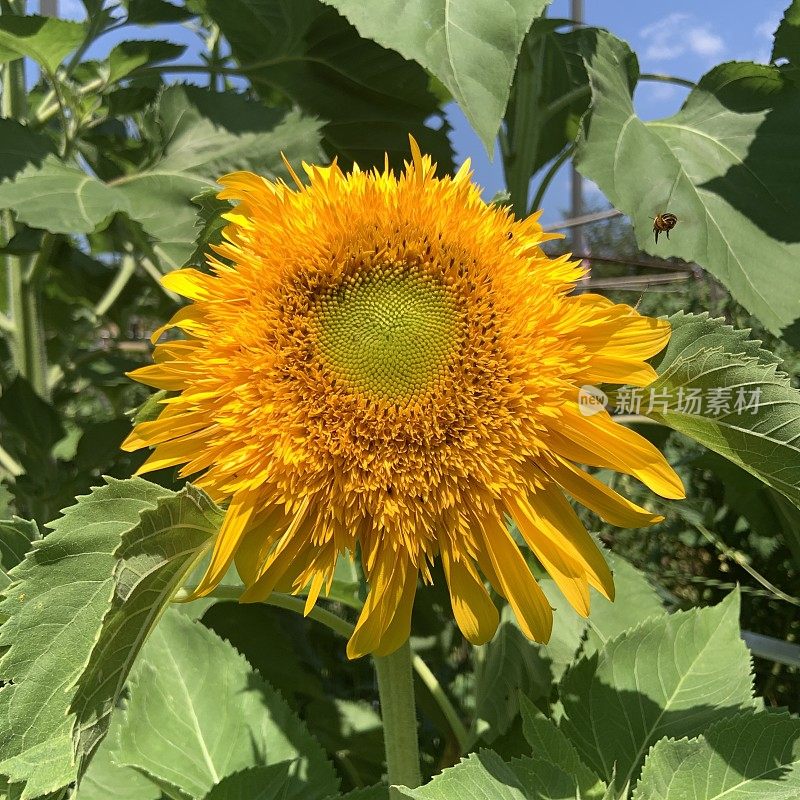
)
(396, 690)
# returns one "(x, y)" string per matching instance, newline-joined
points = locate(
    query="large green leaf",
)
(274, 782)
(200, 135)
(55, 609)
(81, 605)
(155, 12)
(486, 775)
(16, 539)
(726, 164)
(470, 46)
(636, 600)
(370, 793)
(511, 665)
(105, 780)
(370, 98)
(32, 419)
(129, 56)
(787, 37)
(671, 676)
(46, 40)
(545, 105)
(19, 146)
(549, 743)
(214, 715)
(153, 560)
(745, 757)
(706, 356)
(60, 198)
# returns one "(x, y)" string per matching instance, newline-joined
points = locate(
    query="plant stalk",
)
(396, 690)
(22, 284)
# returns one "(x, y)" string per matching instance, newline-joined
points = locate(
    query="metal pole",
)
(48, 8)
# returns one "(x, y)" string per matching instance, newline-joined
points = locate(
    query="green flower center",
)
(389, 333)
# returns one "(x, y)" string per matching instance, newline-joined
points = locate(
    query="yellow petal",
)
(473, 609)
(533, 612)
(384, 585)
(160, 376)
(290, 547)
(234, 526)
(189, 283)
(147, 434)
(600, 442)
(170, 454)
(548, 513)
(399, 629)
(265, 530)
(189, 318)
(606, 368)
(603, 500)
(565, 570)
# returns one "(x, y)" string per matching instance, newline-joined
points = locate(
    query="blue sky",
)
(679, 38)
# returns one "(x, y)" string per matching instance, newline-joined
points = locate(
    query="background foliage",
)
(107, 178)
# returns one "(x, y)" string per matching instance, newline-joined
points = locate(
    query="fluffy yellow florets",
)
(387, 363)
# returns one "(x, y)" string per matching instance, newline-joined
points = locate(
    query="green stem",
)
(22, 285)
(30, 354)
(124, 273)
(396, 690)
(549, 175)
(659, 77)
(443, 701)
(523, 140)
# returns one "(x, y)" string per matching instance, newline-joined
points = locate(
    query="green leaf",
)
(708, 356)
(724, 164)
(370, 98)
(127, 57)
(153, 560)
(745, 757)
(471, 46)
(210, 225)
(550, 744)
(486, 775)
(671, 676)
(16, 538)
(214, 715)
(47, 40)
(541, 119)
(511, 665)
(60, 198)
(370, 793)
(55, 609)
(787, 37)
(82, 604)
(155, 12)
(201, 135)
(34, 420)
(636, 600)
(19, 146)
(275, 782)
(105, 780)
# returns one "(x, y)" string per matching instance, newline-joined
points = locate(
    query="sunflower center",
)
(388, 331)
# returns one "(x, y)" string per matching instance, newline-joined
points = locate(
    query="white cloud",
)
(675, 35)
(767, 28)
(705, 43)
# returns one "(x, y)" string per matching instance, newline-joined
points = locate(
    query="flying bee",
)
(664, 223)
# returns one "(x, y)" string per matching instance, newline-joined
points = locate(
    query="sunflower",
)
(385, 364)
